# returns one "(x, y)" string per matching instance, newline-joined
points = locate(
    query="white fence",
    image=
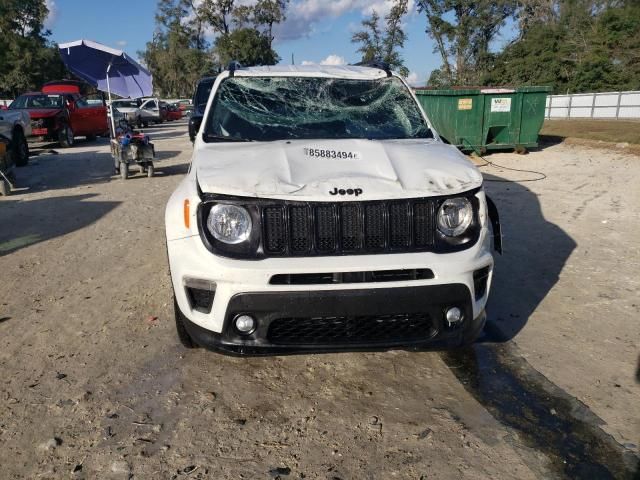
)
(620, 105)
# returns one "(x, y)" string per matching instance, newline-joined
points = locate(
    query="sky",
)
(315, 30)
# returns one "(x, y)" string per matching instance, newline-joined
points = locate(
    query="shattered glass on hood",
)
(287, 108)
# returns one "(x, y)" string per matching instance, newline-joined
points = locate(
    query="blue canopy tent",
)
(107, 69)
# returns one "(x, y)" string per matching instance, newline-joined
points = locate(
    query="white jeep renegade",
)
(323, 212)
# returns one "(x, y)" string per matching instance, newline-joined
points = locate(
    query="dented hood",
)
(321, 170)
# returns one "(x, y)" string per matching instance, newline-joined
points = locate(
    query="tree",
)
(266, 14)
(245, 32)
(247, 46)
(370, 38)
(395, 37)
(218, 14)
(463, 31)
(376, 44)
(28, 59)
(177, 56)
(582, 46)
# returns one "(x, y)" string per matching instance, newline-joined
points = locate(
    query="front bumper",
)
(245, 287)
(322, 321)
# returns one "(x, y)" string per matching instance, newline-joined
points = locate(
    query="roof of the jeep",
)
(313, 70)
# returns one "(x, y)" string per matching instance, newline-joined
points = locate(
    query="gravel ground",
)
(95, 384)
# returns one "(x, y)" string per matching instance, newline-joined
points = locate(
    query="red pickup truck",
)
(60, 113)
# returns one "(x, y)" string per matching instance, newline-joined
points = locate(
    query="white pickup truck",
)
(15, 127)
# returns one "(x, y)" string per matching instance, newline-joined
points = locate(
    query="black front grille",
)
(348, 227)
(350, 330)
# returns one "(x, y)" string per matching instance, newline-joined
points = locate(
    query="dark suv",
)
(200, 97)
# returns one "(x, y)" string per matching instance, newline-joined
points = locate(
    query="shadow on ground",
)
(36, 221)
(545, 141)
(546, 417)
(73, 169)
(50, 171)
(536, 251)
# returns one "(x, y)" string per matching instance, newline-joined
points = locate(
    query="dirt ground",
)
(94, 383)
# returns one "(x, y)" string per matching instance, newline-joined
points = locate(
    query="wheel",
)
(91, 138)
(520, 150)
(65, 137)
(5, 189)
(183, 335)
(124, 170)
(20, 149)
(470, 337)
(150, 170)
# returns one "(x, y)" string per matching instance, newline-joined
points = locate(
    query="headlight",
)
(455, 216)
(229, 223)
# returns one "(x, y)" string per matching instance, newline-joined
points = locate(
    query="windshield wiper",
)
(210, 137)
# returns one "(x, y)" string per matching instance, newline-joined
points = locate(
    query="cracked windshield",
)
(281, 108)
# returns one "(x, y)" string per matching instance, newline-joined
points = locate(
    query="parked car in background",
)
(200, 98)
(15, 127)
(128, 110)
(150, 111)
(173, 112)
(60, 113)
(185, 106)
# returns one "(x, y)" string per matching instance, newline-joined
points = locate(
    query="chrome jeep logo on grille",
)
(348, 191)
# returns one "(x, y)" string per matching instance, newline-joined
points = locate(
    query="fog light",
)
(453, 316)
(245, 324)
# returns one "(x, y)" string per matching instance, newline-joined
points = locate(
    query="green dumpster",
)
(481, 119)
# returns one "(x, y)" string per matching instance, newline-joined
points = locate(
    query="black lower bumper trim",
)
(367, 319)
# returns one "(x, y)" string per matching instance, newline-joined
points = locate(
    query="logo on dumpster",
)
(501, 104)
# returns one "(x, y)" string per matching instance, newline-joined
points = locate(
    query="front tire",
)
(183, 334)
(20, 149)
(470, 337)
(66, 137)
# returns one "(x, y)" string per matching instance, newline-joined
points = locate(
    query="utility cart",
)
(113, 71)
(129, 148)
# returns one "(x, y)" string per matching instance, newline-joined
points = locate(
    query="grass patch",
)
(615, 131)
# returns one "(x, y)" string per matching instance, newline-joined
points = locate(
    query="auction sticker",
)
(465, 103)
(501, 104)
(330, 153)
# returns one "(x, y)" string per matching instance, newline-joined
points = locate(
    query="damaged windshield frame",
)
(271, 108)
